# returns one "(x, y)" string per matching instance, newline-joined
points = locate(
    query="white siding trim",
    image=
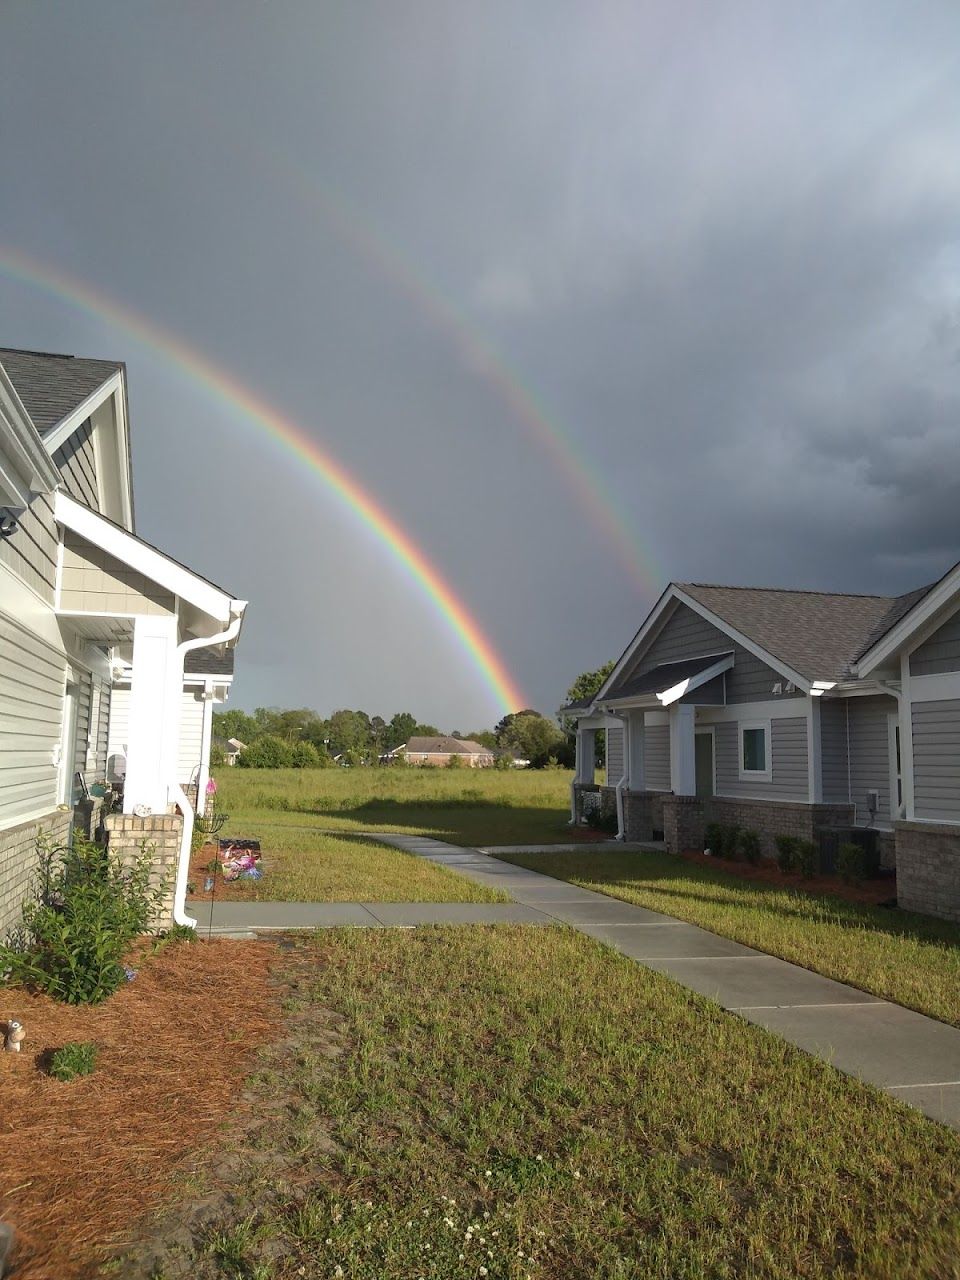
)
(782, 709)
(906, 737)
(77, 417)
(814, 752)
(940, 688)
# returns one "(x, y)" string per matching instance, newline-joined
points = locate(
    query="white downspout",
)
(179, 795)
(621, 786)
(902, 706)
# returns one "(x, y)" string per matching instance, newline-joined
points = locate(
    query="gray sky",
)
(717, 244)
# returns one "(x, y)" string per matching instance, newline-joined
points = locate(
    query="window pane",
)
(755, 750)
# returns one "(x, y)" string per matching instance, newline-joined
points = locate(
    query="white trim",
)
(750, 645)
(25, 467)
(683, 772)
(673, 693)
(938, 688)
(65, 428)
(905, 709)
(814, 751)
(781, 709)
(755, 775)
(710, 731)
(147, 560)
(599, 720)
(895, 783)
(646, 627)
(941, 597)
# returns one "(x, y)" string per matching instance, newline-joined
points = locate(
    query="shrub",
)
(87, 909)
(750, 846)
(77, 1058)
(786, 853)
(267, 752)
(603, 819)
(713, 838)
(852, 863)
(729, 842)
(176, 934)
(455, 762)
(808, 858)
(305, 756)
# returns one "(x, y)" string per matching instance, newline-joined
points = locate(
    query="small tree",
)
(268, 752)
(455, 761)
(304, 755)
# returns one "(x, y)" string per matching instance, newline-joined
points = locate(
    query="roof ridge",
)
(793, 591)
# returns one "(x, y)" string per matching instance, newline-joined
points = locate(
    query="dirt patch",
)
(80, 1161)
(871, 893)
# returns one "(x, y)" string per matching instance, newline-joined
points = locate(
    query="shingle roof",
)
(444, 746)
(51, 386)
(664, 677)
(208, 662)
(578, 704)
(816, 633)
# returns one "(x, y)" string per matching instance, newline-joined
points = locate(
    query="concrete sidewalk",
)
(915, 1058)
(235, 918)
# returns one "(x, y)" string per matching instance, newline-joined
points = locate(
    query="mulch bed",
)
(870, 893)
(82, 1161)
(223, 890)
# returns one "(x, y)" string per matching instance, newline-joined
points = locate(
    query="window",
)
(755, 761)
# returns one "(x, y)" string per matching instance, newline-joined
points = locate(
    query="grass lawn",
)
(911, 959)
(312, 866)
(464, 806)
(515, 1102)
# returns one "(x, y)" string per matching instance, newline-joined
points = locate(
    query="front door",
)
(703, 746)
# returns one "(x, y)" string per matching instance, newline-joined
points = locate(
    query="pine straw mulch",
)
(82, 1161)
(869, 893)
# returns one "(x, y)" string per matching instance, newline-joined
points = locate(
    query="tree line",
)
(302, 739)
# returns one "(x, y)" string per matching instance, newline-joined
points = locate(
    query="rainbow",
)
(226, 388)
(356, 231)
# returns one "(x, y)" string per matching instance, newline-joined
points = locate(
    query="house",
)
(437, 751)
(112, 653)
(789, 712)
(230, 748)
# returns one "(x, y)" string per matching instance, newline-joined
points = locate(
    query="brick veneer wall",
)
(160, 834)
(769, 818)
(928, 868)
(642, 814)
(18, 862)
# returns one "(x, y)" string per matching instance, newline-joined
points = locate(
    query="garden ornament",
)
(13, 1036)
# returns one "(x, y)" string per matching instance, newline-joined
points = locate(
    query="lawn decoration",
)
(14, 1036)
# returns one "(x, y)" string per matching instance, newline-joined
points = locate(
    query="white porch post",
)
(683, 769)
(814, 751)
(905, 708)
(154, 714)
(206, 734)
(586, 755)
(636, 747)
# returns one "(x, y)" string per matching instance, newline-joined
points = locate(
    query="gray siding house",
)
(111, 653)
(789, 712)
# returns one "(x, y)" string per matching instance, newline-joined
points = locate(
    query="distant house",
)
(437, 751)
(800, 713)
(230, 749)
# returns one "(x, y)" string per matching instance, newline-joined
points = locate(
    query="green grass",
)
(910, 959)
(301, 865)
(518, 1102)
(465, 806)
(78, 1058)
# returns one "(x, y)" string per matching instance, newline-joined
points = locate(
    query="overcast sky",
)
(718, 244)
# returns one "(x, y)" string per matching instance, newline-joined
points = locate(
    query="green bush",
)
(602, 819)
(455, 761)
(267, 752)
(852, 863)
(808, 858)
(713, 838)
(88, 908)
(305, 755)
(750, 846)
(78, 1058)
(787, 854)
(730, 842)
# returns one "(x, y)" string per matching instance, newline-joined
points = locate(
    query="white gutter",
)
(183, 865)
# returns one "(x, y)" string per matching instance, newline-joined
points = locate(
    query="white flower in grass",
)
(488, 1174)
(483, 1271)
(577, 1174)
(540, 1159)
(328, 1240)
(337, 1271)
(448, 1222)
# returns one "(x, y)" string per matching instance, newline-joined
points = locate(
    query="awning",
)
(671, 681)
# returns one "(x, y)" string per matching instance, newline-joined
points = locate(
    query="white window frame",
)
(755, 775)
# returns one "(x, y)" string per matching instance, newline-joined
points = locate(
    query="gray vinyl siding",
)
(687, 635)
(81, 742)
(940, 653)
(32, 677)
(656, 757)
(96, 756)
(869, 737)
(32, 550)
(936, 760)
(788, 753)
(833, 751)
(77, 462)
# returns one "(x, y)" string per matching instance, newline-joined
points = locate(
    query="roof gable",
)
(444, 746)
(53, 386)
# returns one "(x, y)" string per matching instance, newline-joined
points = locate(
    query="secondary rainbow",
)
(224, 386)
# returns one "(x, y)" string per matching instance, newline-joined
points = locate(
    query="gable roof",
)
(673, 678)
(817, 633)
(51, 386)
(446, 746)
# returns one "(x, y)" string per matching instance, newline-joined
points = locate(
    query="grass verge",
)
(514, 1102)
(312, 866)
(910, 959)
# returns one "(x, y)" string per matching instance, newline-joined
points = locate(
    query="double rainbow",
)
(293, 438)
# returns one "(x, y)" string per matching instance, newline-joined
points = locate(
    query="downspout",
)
(898, 694)
(179, 795)
(621, 786)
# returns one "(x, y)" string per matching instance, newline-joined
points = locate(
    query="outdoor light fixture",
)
(8, 523)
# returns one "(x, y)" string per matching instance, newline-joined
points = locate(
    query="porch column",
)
(206, 735)
(683, 768)
(636, 746)
(586, 755)
(814, 751)
(154, 714)
(905, 712)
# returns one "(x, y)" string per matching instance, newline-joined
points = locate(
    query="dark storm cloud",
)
(720, 244)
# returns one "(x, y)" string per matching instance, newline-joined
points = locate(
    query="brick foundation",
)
(643, 814)
(18, 862)
(928, 868)
(161, 835)
(684, 820)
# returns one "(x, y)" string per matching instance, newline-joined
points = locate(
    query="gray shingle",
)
(51, 386)
(208, 662)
